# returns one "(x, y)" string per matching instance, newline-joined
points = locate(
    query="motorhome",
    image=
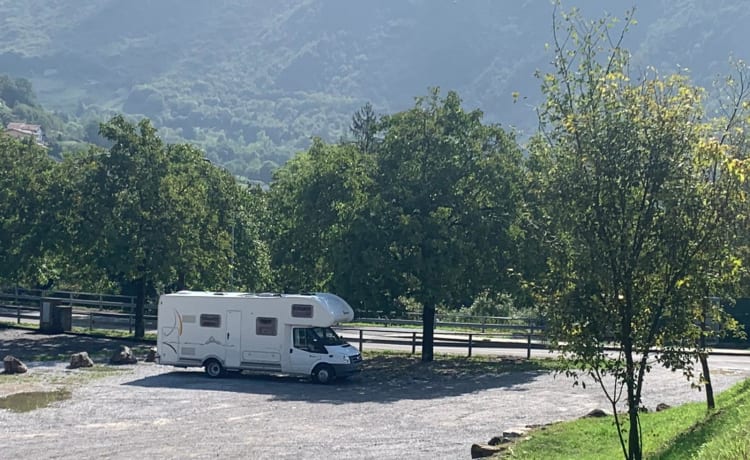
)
(271, 333)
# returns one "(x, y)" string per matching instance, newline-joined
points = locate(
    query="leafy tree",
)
(149, 215)
(364, 127)
(640, 198)
(27, 223)
(16, 91)
(447, 205)
(314, 201)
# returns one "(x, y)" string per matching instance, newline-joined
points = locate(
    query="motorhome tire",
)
(214, 369)
(323, 373)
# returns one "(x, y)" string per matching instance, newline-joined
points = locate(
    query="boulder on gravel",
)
(484, 450)
(515, 433)
(14, 365)
(123, 356)
(662, 406)
(81, 359)
(497, 440)
(151, 355)
(596, 413)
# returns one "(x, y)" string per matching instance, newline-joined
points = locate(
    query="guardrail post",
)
(413, 342)
(484, 321)
(360, 340)
(130, 324)
(470, 343)
(91, 321)
(528, 347)
(18, 314)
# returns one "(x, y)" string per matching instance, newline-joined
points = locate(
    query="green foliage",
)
(27, 225)
(222, 74)
(681, 432)
(640, 201)
(16, 92)
(151, 216)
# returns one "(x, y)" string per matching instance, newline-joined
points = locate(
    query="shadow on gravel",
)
(28, 345)
(358, 389)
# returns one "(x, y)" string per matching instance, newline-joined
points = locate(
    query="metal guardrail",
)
(27, 305)
(484, 323)
(92, 311)
(468, 340)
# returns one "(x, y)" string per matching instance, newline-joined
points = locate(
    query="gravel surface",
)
(152, 411)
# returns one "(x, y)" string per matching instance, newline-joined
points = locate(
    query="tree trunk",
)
(703, 357)
(180, 281)
(634, 441)
(428, 329)
(707, 381)
(140, 300)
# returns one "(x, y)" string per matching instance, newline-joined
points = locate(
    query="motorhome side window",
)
(265, 326)
(302, 311)
(210, 320)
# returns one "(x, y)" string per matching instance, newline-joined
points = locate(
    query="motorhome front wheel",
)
(324, 374)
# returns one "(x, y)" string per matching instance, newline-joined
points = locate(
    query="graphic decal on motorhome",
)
(212, 340)
(176, 327)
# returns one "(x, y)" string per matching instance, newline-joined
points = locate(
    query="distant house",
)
(25, 130)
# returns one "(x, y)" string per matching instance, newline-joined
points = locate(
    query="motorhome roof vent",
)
(269, 294)
(218, 293)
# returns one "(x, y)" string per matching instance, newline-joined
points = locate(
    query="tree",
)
(315, 201)
(639, 203)
(448, 192)
(27, 219)
(150, 216)
(18, 91)
(364, 127)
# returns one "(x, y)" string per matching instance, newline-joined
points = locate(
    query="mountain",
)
(253, 81)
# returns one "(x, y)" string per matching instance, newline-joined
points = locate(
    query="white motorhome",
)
(274, 333)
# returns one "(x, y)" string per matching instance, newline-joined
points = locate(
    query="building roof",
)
(23, 127)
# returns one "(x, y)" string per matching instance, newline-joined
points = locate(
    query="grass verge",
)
(685, 432)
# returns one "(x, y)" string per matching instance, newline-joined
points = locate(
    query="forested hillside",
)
(253, 82)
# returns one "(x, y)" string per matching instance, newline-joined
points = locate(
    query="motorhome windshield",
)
(327, 336)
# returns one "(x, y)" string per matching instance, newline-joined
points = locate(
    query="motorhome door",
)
(304, 353)
(234, 336)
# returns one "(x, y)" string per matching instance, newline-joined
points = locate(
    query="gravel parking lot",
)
(152, 411)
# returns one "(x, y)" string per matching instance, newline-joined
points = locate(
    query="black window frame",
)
(212, 320)
(300, 310)
(261, 329)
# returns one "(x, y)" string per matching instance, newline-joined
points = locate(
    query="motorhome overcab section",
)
(273, 333)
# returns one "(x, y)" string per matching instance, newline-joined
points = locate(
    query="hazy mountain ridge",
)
(253, 81)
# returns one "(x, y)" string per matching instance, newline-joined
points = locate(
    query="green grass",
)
(685, 432)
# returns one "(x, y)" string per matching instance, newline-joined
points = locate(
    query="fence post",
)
(484, 321)
(413, 342)
(528, 347)
(470, 343)
(130, 323)
(360, 340)
(18, 314)
(91, 321)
